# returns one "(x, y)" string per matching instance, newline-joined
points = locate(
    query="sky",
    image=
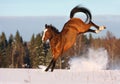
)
(56, 7)
(31, 15)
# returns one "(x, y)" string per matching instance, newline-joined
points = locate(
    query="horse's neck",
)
(54, 35)
(54, 40)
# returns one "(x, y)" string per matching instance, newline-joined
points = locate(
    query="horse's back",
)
(75, 23)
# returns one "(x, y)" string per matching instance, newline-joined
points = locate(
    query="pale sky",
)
(109, 9)
(56, 7)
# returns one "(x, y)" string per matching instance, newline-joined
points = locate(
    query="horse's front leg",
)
(49, 65)
(53, 66)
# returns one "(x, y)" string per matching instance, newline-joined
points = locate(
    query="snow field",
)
(37, 76)
(88, 69)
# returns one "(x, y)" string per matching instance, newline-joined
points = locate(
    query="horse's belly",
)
(68, 44)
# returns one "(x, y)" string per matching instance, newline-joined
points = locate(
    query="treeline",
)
(16, 53)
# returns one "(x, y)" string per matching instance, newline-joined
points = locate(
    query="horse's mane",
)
(54, 29)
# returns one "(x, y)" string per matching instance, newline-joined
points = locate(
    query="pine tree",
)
(27, 61)
(37, 54)
(18, 50)
(9, 51)
(18, 38)
(3, 48)
(39, 49)
(32, 50)
(3, 40)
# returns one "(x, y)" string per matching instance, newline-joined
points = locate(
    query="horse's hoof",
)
(46, 70)
(97, 31)
(102, 28)
(51, 70)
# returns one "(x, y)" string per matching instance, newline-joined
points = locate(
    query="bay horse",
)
(60, 42)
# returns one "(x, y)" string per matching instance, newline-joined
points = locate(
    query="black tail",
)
(81, 9)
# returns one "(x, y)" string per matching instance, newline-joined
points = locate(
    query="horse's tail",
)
(81, 9)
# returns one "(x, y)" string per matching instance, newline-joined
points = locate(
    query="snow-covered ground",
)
(37, 76)
(87, 69)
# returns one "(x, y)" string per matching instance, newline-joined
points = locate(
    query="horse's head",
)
(47, 33)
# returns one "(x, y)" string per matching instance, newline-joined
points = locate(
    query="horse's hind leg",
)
(100, 28)
(93, 31)
(49, 65)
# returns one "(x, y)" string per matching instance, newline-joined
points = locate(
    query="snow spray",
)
(92, 60)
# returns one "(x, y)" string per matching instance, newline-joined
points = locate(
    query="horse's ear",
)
(46, 25)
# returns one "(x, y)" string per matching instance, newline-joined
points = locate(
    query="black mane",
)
(54, 28)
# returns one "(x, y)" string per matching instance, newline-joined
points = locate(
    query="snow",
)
(38, 76)
(87, 69)
(92, 60)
